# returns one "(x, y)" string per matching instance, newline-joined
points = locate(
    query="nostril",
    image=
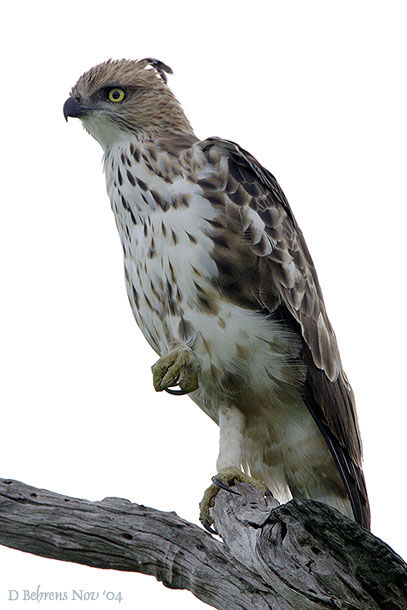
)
(78, 98)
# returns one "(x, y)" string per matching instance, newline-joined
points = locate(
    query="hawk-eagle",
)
(223, 287)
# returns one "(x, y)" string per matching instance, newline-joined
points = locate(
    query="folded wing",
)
(285, 278)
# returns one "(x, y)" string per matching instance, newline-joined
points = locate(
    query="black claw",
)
(176, 392)
(222, 485)
(209, 528)
(268, 493)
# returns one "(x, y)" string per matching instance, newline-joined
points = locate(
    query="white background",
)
(316, 91)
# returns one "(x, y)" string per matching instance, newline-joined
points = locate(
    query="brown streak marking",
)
(206, 345)
(192, 238)
(185, 199)
(151, 251)
(171, 304)
(233, 382)
(208, 304)
(141, 184)
(130, 178)
(214, 372)
(148, 302)
(184, 329)
(215, 223)
(219, 240)
(172, 272)
(145, 199)
(216, 199)
(135, 296)
(152, 153)
(242, 352)
(159, 200)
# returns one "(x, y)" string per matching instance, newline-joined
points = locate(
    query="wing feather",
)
(286, 279)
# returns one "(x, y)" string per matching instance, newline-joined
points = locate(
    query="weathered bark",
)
(299, 555)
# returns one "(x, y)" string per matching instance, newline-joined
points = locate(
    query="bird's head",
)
(123, 97)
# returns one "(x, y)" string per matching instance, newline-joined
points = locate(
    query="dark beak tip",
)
(73, 108)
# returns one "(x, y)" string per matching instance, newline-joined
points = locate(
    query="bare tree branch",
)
(299, 555)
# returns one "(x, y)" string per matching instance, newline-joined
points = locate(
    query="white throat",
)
(107, 133)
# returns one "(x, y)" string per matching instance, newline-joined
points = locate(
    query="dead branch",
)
(299, 555)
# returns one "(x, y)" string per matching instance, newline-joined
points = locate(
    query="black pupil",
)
(116, 95)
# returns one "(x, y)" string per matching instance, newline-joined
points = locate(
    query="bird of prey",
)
(223, 287)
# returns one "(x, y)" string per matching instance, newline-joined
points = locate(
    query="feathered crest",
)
(159, 66)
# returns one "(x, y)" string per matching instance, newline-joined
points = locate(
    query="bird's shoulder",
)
(255, 185)
(254, 204)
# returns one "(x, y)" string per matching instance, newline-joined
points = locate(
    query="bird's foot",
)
(175, 368)
(224, 480)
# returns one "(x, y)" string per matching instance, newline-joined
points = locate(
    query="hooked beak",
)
(74, 107)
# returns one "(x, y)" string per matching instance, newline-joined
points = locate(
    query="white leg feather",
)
(231, 424)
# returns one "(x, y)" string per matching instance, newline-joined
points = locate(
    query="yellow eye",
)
(116, 95)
